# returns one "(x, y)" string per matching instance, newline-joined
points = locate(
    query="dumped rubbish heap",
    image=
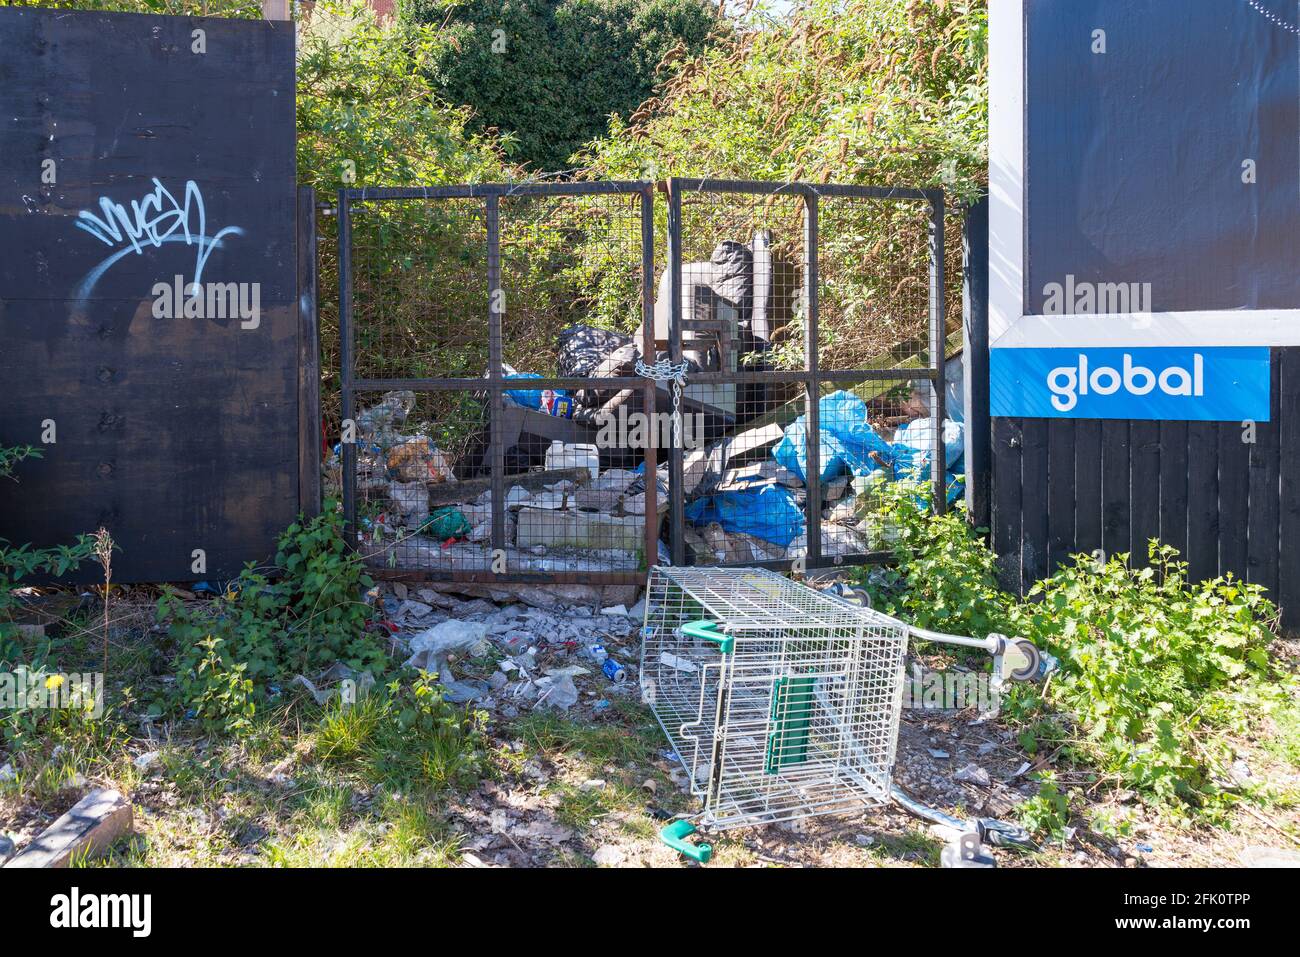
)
(575, 500)
(514, 656)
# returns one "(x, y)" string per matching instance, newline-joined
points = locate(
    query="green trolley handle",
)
(708, 630)
(675, 834)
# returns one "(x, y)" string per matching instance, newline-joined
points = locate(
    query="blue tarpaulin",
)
(769, 513)
(847, 439)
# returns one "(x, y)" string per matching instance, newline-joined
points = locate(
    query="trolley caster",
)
(675, 834)
(966, 852)
(1019, 660)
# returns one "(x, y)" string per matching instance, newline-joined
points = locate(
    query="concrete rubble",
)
(511, 649)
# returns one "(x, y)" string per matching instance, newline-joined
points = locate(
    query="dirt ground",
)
(584, 786)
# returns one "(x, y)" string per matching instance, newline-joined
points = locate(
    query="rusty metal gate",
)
(816, 313)
(513, 375)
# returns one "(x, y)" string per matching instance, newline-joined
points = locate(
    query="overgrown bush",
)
(264, 631)
(943, 577)
(873, 92)
(1153, 667)
(548, 73)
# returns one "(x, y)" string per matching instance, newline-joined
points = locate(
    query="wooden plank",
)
(1144, 487)
(1033, 502)
(1173, 485)
(1288, 584)
(1006, 501)
(452, 493)
(175, 434)
(1202, 500)
(1087, 486)
(309, 423)
(1234, 498)
(1116, 531)
(1263, 543)
(90, 828)
(1060, 491)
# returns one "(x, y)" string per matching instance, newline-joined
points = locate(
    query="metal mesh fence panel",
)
(523, 398)
(811, 322)
(488, 431)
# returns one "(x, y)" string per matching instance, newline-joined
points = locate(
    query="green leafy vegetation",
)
(407, 735)
(18, 562)
(301, 618)
(1154, 668)
(547, 74)
(869, 92)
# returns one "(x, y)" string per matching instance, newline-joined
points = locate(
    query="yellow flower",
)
(53, 681)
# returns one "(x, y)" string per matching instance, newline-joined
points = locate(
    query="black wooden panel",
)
(176, 434)
(1006, 501)
(1115, 530)
(1144, 486)
(1288, 591)
(1033, 501)
(1087, 486)
(1265, 489)
(1060, 491)
(1173, 485)
(1202, 499)
(1234, 498)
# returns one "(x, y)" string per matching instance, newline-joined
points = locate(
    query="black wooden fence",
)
(1225, 494)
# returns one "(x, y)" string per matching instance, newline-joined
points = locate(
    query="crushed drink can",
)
(615, 672)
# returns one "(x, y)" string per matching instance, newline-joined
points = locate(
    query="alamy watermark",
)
(209, 300)
(23, 689)
(641, 430)
(928, 690)
(1073, 298)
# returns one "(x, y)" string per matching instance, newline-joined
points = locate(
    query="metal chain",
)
(665, 370)
(1274, 18)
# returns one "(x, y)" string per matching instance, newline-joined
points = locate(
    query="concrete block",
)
(540, 526)
(93, 824)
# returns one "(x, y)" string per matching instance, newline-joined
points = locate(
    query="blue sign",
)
(1220, 384)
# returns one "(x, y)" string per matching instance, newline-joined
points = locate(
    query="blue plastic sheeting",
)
(847, 439)
(792, 452)
(915, 439)
(769, 513)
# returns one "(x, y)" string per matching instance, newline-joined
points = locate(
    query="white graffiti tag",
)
(152, 221)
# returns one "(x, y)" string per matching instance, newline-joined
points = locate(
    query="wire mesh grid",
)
(798, 718)
(787, 291)
(488, 444)
(508, 325)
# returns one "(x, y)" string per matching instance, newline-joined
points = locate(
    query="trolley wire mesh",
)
(798, 718)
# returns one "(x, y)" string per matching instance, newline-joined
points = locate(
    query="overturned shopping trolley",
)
(782, 701)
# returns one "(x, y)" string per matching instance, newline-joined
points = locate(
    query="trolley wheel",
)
(1033, 661)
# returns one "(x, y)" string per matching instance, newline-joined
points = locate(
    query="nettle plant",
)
(300, 617)
(1153, 666)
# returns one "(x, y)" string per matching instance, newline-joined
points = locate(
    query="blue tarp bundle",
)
(913, 442)
(847, 439)
(769, 513)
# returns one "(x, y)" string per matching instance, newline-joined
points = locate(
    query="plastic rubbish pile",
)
(515, 657)
(563, 510)
(753, 513)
